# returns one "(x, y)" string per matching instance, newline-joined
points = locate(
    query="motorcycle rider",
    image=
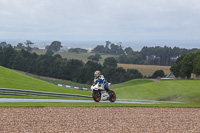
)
(100, 78)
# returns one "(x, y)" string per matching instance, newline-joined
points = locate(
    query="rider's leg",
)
(106, 87)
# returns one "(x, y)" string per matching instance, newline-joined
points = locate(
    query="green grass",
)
(169, 90)
(65, 82)
(187, 91)
(130, 83)
(17, 105)
(15, 80)
(42, 97)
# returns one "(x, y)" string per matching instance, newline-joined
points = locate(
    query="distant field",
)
(79, 56)
(147, 70)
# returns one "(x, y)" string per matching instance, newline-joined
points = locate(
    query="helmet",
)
(97, 73)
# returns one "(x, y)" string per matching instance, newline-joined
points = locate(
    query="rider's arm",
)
(104, 80)
(95, 81)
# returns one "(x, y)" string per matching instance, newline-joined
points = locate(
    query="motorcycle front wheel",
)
(112, 96)
(96, 96)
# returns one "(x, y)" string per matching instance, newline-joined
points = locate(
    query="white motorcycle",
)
(99, 93)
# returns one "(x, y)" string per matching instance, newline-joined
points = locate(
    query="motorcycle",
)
(99, 93)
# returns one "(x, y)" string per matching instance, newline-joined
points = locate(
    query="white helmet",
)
(97, 73)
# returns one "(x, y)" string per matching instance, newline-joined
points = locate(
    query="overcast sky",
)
(100, 20)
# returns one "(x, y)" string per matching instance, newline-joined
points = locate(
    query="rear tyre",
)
(112, 96)
(96, 96)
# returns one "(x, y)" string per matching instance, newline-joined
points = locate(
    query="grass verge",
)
(170, 90)
(28, 105)
(43, 97)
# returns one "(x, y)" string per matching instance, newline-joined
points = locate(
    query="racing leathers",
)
(101, 80)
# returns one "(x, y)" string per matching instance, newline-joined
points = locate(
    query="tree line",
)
(63, 68)
(187, 64)
(165, 56)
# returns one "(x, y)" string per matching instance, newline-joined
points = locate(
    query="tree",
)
(28, 44)
(107, 44)
(123, 59)
(20, 46)
(186, 64)
(118, 76)
(128, 50)
(58, 56)
(77, 50)
(47, 47)
(107, 50)
(132, 74)
(3, 44)
(49, 52)
(87, 72)
(54, 47)
(95, 57)
(110, 62)
(158, 73)
(5, 56)
(99, 49)
(196, 68)
(175, 68)
(116, 49)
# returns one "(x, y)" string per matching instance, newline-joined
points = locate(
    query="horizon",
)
(135, 45)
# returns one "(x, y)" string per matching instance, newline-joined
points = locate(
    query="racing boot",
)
(107, 89)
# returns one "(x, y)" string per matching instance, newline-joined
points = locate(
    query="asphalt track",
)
(59, 100)
(125, 101)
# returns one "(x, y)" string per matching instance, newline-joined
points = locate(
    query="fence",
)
(18, 92)
(73, 87)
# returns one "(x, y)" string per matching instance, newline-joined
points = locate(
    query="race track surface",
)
(59, 100)
(82, 101)
(100, 120)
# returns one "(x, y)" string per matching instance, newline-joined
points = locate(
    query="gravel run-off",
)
(100, 120)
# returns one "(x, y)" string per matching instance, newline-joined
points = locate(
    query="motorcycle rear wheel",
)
(96, 95)
(112, 96)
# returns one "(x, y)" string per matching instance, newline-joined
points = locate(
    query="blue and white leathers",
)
(101, 80)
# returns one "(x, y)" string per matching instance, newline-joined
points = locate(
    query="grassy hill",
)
(15, 80)
(169, 90)
(142, 89)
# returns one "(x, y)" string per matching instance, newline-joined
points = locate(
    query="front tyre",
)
(112, 96)
(96, 96)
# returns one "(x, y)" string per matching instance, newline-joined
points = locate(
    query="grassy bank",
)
(169, 90)
(27, 105)
(15, 80)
